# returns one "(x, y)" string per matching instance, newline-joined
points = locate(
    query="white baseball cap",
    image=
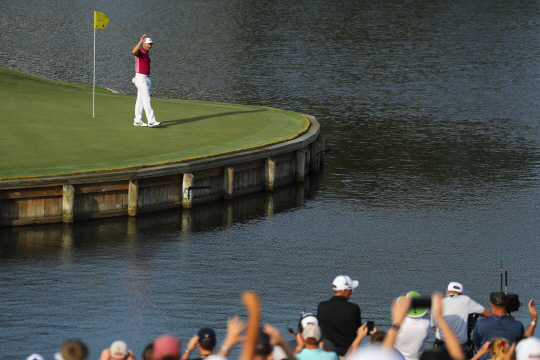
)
(344, 282)
(119, 349)
(455, 286)
(528, 348)
(148, 41)
(307, 319)
(312, 331)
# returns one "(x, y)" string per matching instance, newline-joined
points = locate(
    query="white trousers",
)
(143, 84)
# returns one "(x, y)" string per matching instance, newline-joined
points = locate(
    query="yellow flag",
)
(100, 20)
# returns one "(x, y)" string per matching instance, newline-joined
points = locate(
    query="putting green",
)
(47, 129)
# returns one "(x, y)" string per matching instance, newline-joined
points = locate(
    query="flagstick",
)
(94, 82)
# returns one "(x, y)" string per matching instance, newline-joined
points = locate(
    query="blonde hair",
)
(499, 347)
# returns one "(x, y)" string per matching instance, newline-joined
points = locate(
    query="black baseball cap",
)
(207, 335)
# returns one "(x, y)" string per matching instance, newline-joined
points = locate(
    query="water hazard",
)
(431, 111)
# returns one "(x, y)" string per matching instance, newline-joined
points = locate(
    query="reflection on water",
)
(431, 110)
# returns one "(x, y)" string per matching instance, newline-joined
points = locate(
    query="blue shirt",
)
(496, 326)
(316, 354)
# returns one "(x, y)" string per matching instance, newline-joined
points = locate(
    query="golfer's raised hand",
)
(143, 38)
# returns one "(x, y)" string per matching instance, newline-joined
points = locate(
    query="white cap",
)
(119, 349)
(148, 41)
(35, 357)
(455, 286)
(344, 282)
(528, 348)
(278, 353)
(309, 319)
(312, 331)
(375, 352)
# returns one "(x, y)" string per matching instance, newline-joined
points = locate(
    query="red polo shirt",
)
(142, 62)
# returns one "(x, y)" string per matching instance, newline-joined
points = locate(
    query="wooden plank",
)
(31, 193)
(217, 171)
(161, 194)
(119, 200)
(228, 182)
(109, 201)
(100, 215)
(283, 181)
(14, 210)
(100, 188)
(68, 199)
(53, 206)
(259, 163)
(206, 199)
(269, 174)
(161, 180)
(161, 207)
(4, 209)
(186, 196)
(284, 157)
(133, 196)
(40, 208)
(35, 221)
(300, 165)
(249, 190)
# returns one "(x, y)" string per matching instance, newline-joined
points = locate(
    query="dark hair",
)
(148, 352)
(377, 337)
(436, 353)
(74, 350)
(207, 344)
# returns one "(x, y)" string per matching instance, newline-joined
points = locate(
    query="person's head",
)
(35, 357)
(498, 300)
(166, 347)
(148, 351)
(73, 350)
(312, 334)
(499, 347)
(377, 337)
(415, 312)
(119, 350)
(263, 348)
(147, 44)
(207, 339)
(343, 285)
(435, 353)
(454, 288)
(528, 348)
(306, 319)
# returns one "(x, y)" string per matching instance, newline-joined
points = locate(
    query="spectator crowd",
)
(336, 332)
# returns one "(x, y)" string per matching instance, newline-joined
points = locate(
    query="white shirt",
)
(456, 310)
(412, 336)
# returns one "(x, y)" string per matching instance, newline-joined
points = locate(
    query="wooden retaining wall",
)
(131, 192)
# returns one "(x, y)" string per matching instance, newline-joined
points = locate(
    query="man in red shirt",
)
(143, 83)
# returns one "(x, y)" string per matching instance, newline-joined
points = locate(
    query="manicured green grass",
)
(47, 128)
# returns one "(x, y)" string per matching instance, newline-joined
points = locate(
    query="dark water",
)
(431, 111)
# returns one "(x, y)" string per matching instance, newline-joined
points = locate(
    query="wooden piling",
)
(269, 174)
(68, 201)
(133, 197)
(187, 195)
(314, 163)
(228, 181)
(300, 167)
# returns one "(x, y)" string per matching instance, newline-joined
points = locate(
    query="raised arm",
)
(362, 333)
(235, 326)
(191, 346)
(399, 311)
(534, 318)
(253, 305)
(277, 339)
(138, 46)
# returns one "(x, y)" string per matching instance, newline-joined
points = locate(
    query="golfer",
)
(143, 83)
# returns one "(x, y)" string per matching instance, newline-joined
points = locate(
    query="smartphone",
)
(370, 326)
(421, 302)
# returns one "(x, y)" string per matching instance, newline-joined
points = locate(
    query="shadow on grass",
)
(166, 124)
